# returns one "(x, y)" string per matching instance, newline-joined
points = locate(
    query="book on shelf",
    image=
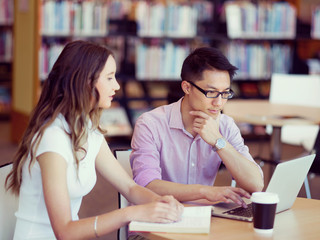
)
(5, 100)
(83, 18)
(6, 12)
(171, 19)
(315, 23)
(258, 60)
(6, 46)
(194, 220)
(160, 61)
(314, 66)
(49, 53)
(263, 20)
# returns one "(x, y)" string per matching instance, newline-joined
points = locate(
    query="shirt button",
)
(192, 164)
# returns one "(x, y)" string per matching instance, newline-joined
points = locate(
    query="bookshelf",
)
(273, 36)
(6, 23)
(166, 33)
(261, 42)
(150, 42)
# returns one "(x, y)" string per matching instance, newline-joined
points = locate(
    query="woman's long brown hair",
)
(69, 90)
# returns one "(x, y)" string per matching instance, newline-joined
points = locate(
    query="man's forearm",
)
(182, 192)
(196, 192)
(141, 195)
(246, 173)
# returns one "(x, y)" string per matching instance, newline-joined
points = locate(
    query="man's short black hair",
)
(205, 58)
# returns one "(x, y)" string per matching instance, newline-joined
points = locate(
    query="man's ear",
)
(185, 87)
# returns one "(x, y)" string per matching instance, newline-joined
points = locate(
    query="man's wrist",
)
(203, 191)
(220, 144)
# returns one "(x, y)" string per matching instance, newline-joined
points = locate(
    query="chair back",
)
(123, 156)
(302, 90)
(315, 167)
(8, 206)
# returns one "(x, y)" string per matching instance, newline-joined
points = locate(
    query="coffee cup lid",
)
(264, 197)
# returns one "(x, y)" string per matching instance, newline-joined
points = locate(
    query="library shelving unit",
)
(6, 23)
(266, 37)
(150, 40)
(39, 39)
(262, 38)
(35, 30)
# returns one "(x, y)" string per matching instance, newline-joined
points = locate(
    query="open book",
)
(194, 220)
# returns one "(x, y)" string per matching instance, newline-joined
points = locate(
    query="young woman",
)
(63, 146)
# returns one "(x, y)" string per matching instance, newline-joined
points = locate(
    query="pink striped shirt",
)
(163, 149)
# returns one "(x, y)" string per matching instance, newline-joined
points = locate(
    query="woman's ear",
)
(185, 87)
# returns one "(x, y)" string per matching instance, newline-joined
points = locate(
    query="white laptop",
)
(286, 181)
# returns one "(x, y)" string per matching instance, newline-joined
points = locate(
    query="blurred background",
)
(150, 40)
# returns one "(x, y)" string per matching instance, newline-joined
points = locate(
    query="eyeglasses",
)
(214, 94)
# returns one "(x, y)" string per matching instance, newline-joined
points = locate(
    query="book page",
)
(194, 220)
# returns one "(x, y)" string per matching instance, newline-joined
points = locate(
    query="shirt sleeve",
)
(55, 140)
(145, 156)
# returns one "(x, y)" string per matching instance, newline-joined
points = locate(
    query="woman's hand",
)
(165, 209)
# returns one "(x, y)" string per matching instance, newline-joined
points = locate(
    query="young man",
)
(178, 148)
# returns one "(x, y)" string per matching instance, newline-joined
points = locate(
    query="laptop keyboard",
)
(240, 211)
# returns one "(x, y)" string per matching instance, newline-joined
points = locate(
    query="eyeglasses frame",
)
(206, 92)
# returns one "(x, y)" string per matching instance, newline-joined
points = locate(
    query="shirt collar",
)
(175, 120)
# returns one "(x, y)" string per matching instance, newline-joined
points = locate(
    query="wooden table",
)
(301, 222)
(262, 112)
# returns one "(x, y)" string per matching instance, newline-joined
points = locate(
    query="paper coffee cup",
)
(264, 205)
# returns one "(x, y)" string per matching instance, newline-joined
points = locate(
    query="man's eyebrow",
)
(228, 88)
